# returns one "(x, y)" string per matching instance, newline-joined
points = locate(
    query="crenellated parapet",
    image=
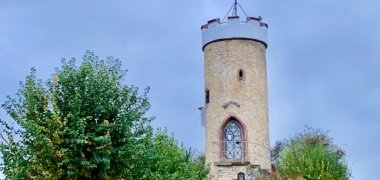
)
(251, 29)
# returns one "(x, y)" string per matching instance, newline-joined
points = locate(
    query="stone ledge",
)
(231, 163)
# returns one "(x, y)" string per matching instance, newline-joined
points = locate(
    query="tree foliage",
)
(83, 123)
(164, 160)
(310, 155)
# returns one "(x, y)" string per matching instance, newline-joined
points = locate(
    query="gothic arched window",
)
(233, 140)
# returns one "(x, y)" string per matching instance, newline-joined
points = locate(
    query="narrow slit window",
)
(207, 96)
(241, 75)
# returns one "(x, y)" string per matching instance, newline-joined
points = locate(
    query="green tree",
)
(310, 155)
(83, 123)
(164, 160)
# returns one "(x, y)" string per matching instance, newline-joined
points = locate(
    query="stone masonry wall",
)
(223, 60)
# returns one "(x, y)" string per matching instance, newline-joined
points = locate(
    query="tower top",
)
(251, 28)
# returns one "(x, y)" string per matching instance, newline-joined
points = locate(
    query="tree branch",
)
(2, 137)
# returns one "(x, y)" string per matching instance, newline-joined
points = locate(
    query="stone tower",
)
(236, 98)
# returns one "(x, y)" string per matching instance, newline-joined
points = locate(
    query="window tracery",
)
(233, 137)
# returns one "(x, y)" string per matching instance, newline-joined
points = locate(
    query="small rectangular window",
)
(241, 75)
(207, 96)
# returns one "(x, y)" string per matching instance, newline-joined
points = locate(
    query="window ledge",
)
(232, 163)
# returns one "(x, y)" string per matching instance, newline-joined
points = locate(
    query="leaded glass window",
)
(233, 140)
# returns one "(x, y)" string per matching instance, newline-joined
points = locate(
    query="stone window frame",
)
(222, 139)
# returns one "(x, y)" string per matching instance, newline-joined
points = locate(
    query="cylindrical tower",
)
(236, 97)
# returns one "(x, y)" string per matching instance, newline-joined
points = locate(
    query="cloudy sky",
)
(323, 60)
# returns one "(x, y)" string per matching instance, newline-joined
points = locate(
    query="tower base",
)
(228, 171)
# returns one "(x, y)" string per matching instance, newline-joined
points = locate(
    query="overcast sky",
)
(323, 60)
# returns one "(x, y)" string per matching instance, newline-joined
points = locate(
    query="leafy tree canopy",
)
(310, 155)
(84, 123)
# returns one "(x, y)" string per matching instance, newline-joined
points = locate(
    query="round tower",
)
(236, 98)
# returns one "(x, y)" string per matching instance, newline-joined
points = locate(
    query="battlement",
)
(250, 29)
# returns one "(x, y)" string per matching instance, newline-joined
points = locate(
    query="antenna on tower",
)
(235, 13)
(234, 8)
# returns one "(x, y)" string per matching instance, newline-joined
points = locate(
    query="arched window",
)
(233, 140)
(241, 176)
